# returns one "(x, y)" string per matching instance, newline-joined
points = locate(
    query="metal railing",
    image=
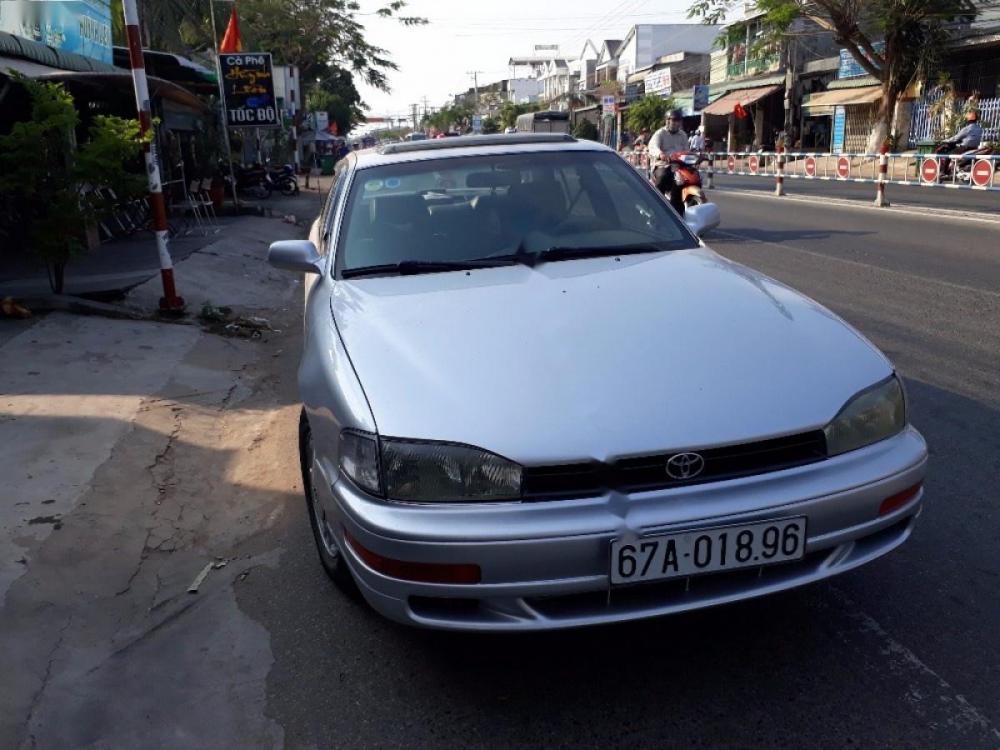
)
(973, 172)
(957, 171)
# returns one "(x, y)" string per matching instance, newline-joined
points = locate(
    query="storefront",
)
(763, 117)
(839, 120)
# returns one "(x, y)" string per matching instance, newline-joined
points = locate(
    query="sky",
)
(466, 35)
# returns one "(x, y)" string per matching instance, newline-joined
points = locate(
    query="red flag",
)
(334, 129)
(231, 40)
(739, 111)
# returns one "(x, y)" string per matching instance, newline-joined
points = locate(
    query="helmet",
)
(971, 115)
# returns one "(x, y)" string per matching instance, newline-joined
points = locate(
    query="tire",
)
(290, 187)
(693, 200)
(326, 545)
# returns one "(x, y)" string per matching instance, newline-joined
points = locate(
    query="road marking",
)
(904, 660)
(926, 213)
(824, 256)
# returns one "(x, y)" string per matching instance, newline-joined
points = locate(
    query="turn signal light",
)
(897, 501)
(415, 571)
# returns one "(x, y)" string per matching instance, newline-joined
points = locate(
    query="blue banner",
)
(839, 130)
(80, 26)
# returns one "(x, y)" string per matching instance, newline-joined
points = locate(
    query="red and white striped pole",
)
(169, 301)
(779, 187)
(883, 170)
(711, 170)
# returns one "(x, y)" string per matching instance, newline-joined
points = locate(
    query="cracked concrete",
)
(148, 450)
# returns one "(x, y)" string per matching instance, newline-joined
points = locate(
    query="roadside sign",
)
(929, 170)
(843, 167)
(982, 173)
(477, 123)
(810, 166)
(248, 88)
(731, 163)
(608, 103)
(699, 99)
(754, 164)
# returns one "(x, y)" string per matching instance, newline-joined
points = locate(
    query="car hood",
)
(599, 358)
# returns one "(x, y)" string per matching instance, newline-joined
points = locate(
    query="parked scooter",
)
(284, 179)
(252, 181)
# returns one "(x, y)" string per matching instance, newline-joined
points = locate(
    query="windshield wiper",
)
(413, 267)
(565, 252)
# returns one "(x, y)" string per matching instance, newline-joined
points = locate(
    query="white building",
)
(606, 67)
(557, 82)
(646, 43)
(585, 67)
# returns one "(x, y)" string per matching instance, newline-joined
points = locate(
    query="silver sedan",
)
(533, 398)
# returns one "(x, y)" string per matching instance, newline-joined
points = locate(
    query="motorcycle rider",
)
(967, 139)
(664, 142)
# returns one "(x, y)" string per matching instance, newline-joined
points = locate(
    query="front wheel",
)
(694, 199)
(326, 543)
(290, 187)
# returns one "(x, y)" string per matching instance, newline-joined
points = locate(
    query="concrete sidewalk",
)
(135, 454)
(121, 264)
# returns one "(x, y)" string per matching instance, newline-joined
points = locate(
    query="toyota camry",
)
(534, 398)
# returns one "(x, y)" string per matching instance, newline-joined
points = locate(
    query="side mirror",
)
(295, 255)
(703, 218)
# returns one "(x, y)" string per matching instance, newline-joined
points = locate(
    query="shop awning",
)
(725, 104)
(837, 97)
(122, 81)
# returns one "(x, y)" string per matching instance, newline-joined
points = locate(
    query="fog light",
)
(897, 501)
(415, 571)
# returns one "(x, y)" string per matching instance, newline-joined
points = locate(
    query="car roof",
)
(475, 145)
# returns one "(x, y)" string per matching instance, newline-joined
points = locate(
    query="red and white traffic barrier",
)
(779, 186)
(169, 301)
(876, 169)
(883, 170)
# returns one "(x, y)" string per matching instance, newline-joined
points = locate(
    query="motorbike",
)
(284, 180)
(252, 181)
(685, 166)
(967, 160)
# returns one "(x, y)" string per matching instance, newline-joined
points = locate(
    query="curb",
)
(896, 207)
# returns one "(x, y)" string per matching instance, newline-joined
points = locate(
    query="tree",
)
(490, 125)
(647, 113)
(336, 94)
(509, 112)
(912, 33)
(48, 187)
(586, 130)
(308, 33)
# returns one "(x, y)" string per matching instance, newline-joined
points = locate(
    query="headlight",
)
(359, 460)
(443, 472)
(872, 415)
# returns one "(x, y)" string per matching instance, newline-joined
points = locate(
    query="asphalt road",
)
(902, 653)
(916, 196)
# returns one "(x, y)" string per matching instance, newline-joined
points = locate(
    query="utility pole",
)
(413, 113)
(222, 108)
(169, 302)
(475, 84)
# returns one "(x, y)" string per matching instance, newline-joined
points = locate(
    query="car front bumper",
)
(546, 564)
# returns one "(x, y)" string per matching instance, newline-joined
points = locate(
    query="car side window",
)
(330, 209)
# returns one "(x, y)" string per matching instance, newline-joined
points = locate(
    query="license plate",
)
(709, 550)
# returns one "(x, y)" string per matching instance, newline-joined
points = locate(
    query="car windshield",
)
(436, 214)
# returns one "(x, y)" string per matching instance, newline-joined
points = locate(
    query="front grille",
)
(643, 473)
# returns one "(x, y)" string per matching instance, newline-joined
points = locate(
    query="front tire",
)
(326, 543)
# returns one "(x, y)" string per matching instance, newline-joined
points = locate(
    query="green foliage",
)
(586, 130)
(457, 117)
(41, 175)
(914, 33)
(648, 112)
(336, 95)
(490, 125)
(509, 112)
(36, 175)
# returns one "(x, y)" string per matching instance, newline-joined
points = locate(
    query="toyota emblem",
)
(685, 465)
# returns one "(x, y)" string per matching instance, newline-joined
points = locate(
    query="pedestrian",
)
(697, 141)
(665, 141)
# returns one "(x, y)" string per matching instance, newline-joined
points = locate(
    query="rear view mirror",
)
(701, 219)
(295, 255)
